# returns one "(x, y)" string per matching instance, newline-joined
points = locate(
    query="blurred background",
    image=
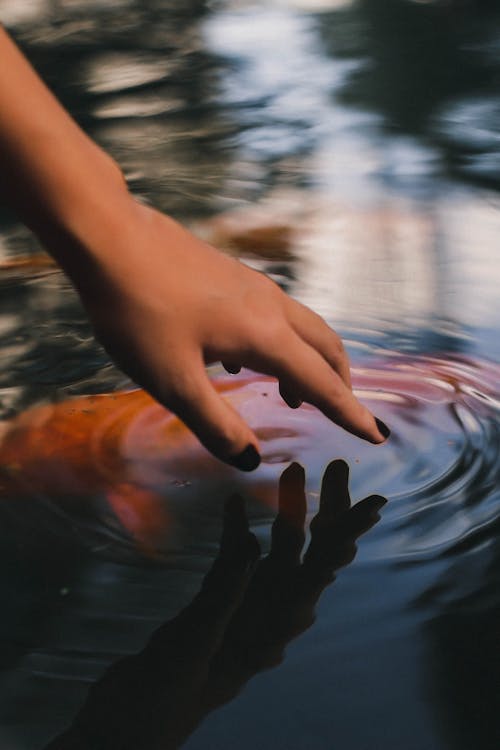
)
(351, 150)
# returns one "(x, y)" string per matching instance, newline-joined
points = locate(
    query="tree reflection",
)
(418, 64)
(160, 121)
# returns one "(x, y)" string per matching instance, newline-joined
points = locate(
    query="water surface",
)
(358, 142)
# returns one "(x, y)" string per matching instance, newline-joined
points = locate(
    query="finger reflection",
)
(246, 612)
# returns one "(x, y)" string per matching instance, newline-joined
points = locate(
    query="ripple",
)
(130, 470)
(448, 491)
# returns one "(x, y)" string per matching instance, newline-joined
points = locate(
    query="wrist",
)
(77, 187)
(87, 205)
(53, 174)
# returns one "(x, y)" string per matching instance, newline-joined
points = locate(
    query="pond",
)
(350, 150)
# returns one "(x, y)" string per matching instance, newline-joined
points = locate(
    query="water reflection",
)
(334, 118)
(463, 640)
(350, 150)
(126, 471)
(431, 71)
(239, 623)
(93, 489)
(408, 262)
(45, 338)
(111, 63)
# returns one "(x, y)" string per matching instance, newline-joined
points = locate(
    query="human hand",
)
(164, 304)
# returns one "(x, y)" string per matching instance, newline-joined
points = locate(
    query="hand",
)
(164, 303)
(237, 625)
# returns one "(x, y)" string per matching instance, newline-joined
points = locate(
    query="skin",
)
(163, 303)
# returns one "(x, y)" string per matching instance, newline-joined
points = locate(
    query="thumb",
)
(214, 421)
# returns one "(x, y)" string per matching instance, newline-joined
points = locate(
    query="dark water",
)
(368, 134)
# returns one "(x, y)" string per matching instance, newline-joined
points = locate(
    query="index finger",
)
(300, 365)
(317, 333)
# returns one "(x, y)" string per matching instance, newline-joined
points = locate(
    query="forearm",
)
(58, 181)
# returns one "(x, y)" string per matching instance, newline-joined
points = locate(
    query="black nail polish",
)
(383, 429)
(247, 460)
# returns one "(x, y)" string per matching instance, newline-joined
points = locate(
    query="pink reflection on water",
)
(128, 462)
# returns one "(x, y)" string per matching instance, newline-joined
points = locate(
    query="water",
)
(351, 151)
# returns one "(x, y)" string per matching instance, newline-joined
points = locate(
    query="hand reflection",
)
(246, 612)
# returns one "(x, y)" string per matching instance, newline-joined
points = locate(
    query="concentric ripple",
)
(132, 471)
(444, 468)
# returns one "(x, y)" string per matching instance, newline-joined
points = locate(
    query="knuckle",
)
(267, 332)
(263, 294)
(275, 332)
(268, 285)
(317, 320)
(336, 344)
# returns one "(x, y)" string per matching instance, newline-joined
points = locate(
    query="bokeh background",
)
(351, 150)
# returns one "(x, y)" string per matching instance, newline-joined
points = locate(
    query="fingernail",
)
(379, 501)
(247, 460)
(382, 428)
(295, 470)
